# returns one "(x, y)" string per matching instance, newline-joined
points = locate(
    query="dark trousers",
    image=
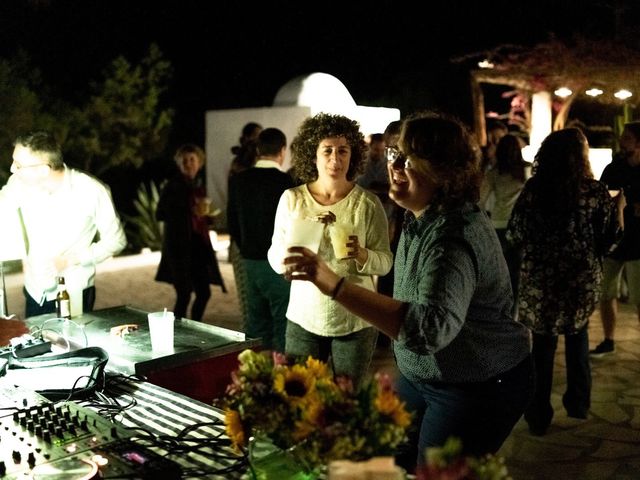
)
(33, 308)
(481, 414)
(267, 302)
(577, 398)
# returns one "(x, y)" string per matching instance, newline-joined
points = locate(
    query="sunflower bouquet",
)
(302, 405)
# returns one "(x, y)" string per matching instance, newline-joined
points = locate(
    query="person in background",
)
(244, 158)
(505, 182)
(395, 213)
(328, 154)
(68, 222)
(251, 209)
(245, 153)
(560, 222)
(464, 363)
(188, 260)
(374, 177)
(496, 129)
(622, 176)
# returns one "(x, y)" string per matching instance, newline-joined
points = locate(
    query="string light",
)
(594, 92)
(485, 64)
(563, 92)
(622, 94)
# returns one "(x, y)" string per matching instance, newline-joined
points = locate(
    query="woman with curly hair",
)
(328, 153)
(560, 222)
(464, 362)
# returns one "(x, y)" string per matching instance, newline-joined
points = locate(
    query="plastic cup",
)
(304, 233)
(161, 331)
(339, 238)
(75, 297)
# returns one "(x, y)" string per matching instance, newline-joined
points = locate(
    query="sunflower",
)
(234, 429)
(318, 368)
(389, 404)
(295, 384)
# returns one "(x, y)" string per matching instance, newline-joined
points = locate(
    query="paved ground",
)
(606, 446)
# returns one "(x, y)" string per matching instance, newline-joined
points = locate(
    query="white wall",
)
(223, 129)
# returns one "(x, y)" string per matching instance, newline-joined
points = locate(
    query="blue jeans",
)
(349, 354)
(33, 308)
(481, 414)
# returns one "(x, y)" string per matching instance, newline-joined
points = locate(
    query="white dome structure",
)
(298, 99)
(320, 92)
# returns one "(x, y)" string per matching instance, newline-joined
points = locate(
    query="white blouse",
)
(361, 210)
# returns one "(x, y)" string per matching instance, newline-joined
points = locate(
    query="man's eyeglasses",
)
(396, 157)
(16, 166)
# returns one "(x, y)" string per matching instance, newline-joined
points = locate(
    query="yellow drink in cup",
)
(339, 238)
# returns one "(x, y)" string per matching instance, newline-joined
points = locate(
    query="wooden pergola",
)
(579, 66)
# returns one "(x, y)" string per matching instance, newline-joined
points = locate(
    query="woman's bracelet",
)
(337, 288)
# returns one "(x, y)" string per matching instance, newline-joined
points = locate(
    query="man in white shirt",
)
(67, 219)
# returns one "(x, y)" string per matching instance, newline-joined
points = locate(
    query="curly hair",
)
(445, 151)
(559, 168)
(315, 129)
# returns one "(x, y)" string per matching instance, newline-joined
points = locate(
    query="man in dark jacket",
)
(253, 199)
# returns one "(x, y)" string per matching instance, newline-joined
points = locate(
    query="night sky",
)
(229, 54)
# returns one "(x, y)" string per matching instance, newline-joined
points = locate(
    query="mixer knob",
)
(114, 432)
(31, 459)
(3, 468)
(46, 436)
(38, 430)
(17, 456)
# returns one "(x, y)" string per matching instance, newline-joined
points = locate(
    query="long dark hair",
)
(559, 170)
(509, 159)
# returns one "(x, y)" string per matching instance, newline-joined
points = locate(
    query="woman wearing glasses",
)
(465, 367)
(328, 153)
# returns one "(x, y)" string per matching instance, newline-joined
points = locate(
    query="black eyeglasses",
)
(396, 157)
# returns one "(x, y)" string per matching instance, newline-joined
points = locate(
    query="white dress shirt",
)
(78, 219)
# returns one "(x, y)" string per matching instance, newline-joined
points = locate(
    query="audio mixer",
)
(64, 440)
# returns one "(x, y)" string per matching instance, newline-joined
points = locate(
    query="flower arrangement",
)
(447, 463)
(299, 404)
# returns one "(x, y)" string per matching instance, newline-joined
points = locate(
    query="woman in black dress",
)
(188, 260)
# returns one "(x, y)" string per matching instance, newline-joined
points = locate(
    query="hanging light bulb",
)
(622, 94)
(485, 64)
(563, 92)
(594, 92)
